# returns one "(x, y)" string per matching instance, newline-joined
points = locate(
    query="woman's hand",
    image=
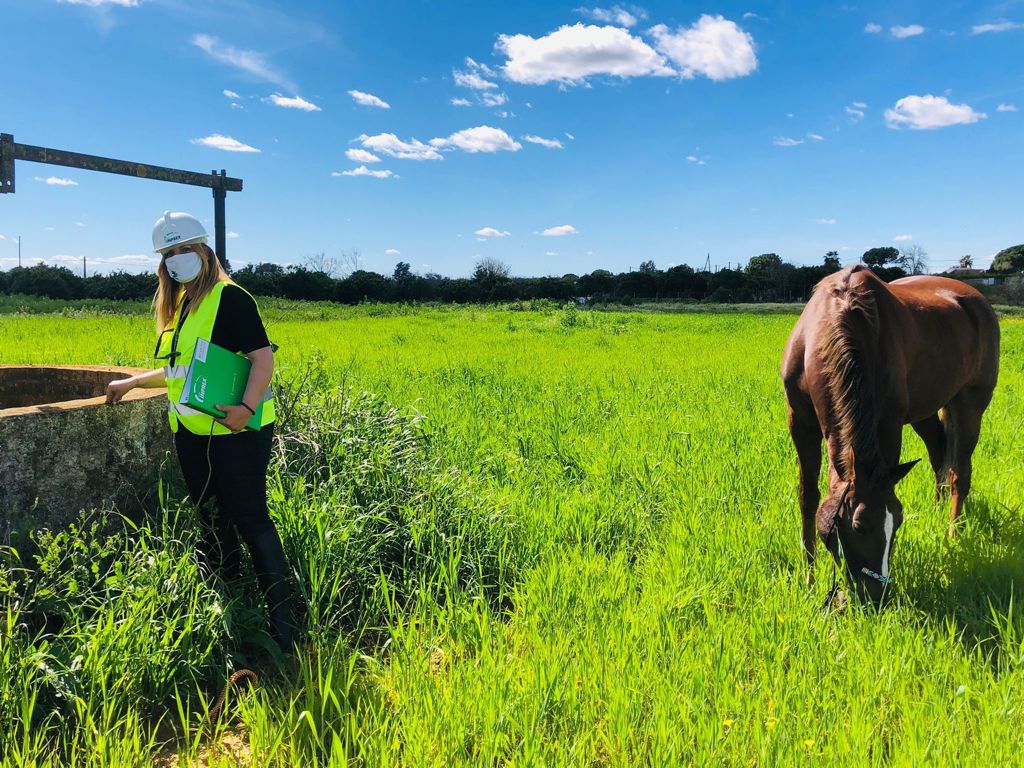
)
(118, 389)
(237, 417)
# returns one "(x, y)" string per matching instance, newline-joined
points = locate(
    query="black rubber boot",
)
(272, 574)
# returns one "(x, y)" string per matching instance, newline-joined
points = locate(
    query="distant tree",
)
(490, 270)
(1009, 259)
(648, 267)
(831, 262)
(321, 262)
(966, 262)
(43, 280)
(881, 257)
(309, 284)
(600, 282)
(360, 286)
(765, 265)
(764, 277)
(402, 272)
(914, 259)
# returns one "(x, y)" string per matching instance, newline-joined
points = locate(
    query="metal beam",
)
(122, 167)
(220, 183)
(6, 163)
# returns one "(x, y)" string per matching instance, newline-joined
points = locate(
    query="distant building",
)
(973, 276)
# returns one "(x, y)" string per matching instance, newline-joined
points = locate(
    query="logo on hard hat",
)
(170, 238)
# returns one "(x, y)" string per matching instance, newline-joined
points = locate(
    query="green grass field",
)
(527, 538)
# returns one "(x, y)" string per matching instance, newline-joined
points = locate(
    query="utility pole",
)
(83, 267)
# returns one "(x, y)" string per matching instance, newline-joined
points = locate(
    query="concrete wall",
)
(62, 449)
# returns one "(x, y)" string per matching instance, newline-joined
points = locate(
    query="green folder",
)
(217, 377)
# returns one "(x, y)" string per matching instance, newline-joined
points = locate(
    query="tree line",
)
(765, 278)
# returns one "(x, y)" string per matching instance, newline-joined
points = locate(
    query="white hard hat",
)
(176, 228)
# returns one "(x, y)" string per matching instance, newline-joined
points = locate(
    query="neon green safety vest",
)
(198, 325)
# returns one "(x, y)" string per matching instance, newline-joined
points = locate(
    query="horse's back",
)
(954, 314)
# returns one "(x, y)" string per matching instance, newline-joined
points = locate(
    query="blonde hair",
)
(169, 291)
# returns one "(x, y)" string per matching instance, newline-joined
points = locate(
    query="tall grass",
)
(549, 537)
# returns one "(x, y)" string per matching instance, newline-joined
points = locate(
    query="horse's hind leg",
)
(933, 433)
(964, 428)
(807, 440)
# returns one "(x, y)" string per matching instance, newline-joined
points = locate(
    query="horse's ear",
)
(900, 471)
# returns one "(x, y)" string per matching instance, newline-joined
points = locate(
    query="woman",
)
(220, 458)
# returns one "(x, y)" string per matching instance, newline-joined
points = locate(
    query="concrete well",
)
(63, 449)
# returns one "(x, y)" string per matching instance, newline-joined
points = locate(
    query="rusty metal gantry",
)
(220, 183)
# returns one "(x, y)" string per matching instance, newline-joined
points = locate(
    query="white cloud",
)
(361, 156)
(472, 80)
(493, 99)
(695, 160)
(392, 252)
(929, 112)
(856, 111)
(614, 15)
(362, 170)
(785, 141)
(483, 138)
(232, 235)
(252, 62)
(911, 30)
(228, 144)
(713, 46)
(550, 253)
(560, 231)
(569, 136)
(571, 54)
(460, 102)
(826, 221)
(57, 181)
(860, 105)
(903, 238)
(1002, 26)
(2, 237)
(815, 137)
(79, 224)
(132, 259)
(389, 144)
(491, 232)
(368, 100)
(549, 143)
(230, 94)
(872, 29)
(1006, 108)
(295, 102)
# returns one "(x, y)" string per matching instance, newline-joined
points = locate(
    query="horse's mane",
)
(848, 357)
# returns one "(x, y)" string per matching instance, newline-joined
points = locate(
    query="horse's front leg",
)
(807, 440)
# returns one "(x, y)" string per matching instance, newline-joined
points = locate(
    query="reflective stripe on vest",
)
(198, 324)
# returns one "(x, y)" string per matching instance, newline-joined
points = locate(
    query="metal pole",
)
(220, 233)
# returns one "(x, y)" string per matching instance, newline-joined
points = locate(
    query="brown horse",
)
(864, 359)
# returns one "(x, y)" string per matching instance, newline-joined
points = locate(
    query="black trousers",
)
(232, 470)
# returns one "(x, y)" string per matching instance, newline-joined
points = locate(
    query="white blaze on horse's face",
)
(888, 527)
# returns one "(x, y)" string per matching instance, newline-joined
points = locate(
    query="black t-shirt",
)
(238, 326)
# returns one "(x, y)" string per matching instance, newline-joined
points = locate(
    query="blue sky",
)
(557, 137)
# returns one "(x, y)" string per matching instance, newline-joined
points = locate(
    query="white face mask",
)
(184, 267)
